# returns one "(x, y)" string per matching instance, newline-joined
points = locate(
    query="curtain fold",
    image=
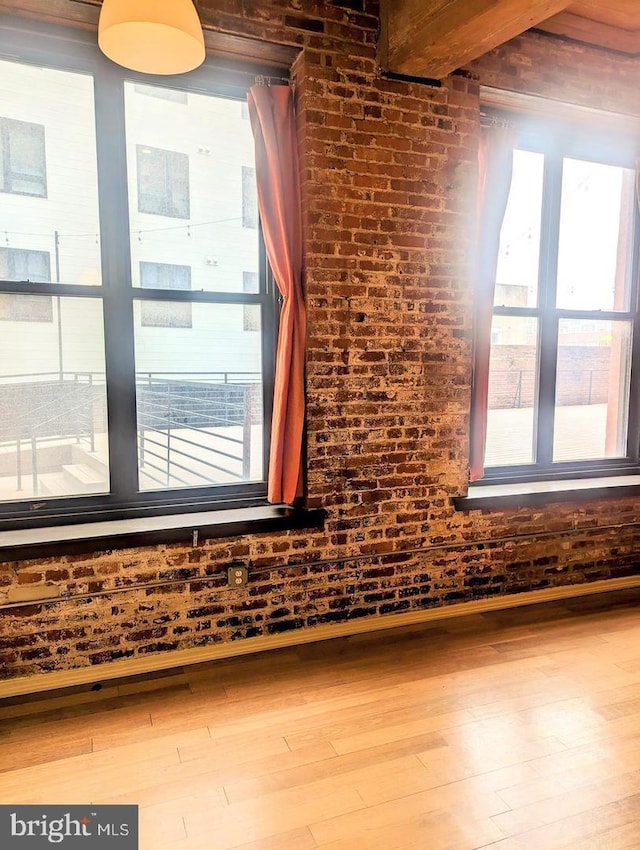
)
(277, 176)
(495, 162)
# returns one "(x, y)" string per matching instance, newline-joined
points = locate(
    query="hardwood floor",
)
(515, 730)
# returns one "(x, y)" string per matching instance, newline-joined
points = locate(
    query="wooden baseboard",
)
(197, 655)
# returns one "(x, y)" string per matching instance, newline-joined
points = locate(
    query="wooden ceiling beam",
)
(432, 38)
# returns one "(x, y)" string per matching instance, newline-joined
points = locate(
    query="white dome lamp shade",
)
(152, 36)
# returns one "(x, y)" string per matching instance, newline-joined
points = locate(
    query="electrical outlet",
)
(237, 576)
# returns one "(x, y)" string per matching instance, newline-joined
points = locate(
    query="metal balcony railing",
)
(192, 428)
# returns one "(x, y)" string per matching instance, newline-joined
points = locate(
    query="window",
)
(249, 198)
(24, 170)
(161, 314)
(251, 316)
(163, 182)
(25, 266)
(173, 95)
(561, 398)
(140, 391)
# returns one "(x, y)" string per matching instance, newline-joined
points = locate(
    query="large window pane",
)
(53, 429)
(49, 180)
(517, 273)
(592, 389)
(596, 236)
(199, 398)
(191, 188)
(512, 379)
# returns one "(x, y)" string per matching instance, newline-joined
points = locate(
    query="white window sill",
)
(529, 493)
(87, 537)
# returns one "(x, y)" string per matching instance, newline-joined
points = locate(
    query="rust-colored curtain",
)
(495, 162)
(274, 131)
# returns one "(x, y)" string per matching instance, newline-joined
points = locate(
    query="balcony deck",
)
(580, 431)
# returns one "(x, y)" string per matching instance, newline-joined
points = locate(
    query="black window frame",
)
(558, 139)
(57, 47)
(9, 173)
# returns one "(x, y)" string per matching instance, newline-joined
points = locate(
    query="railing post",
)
(168, 433)
(78, 413)
(19, 463)
(517, 402)
(141, 419)
(92, 433)
(141, 427)
(246, 437)
(34, 464)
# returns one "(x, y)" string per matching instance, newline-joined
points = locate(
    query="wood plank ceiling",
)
(431, 38)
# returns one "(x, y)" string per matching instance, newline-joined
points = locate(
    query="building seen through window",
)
(22, 151)
(164, 313)
(173, 95)
(19, 265)
(163, 182)
(249, 198)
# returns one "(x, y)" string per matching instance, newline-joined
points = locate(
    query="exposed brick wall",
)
(388, 180)
(540, 64)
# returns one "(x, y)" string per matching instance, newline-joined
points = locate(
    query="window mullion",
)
(116, 268)
(548, 331)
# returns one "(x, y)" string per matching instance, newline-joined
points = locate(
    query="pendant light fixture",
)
(152, 36)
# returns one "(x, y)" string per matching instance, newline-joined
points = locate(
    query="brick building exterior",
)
(388, 181)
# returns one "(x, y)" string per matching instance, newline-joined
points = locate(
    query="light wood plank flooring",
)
(517, 730)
